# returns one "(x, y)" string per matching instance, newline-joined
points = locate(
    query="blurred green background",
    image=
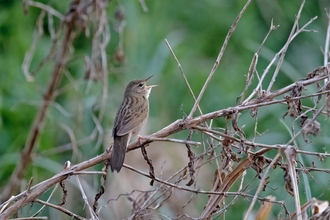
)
(196, 31)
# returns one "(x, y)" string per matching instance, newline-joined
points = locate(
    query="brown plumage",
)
(130, 118)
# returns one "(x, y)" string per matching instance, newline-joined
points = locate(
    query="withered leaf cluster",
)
(309, 126)
(294, 105)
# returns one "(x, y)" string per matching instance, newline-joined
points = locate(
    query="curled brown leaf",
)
(312, 127)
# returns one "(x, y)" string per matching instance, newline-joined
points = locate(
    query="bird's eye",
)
(141, 84)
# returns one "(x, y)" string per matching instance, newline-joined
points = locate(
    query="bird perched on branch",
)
(130, 118)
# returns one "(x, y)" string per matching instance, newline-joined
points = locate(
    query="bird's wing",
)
(128, 125)
(124, 122)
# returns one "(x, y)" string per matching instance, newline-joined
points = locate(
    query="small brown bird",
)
(130, 118)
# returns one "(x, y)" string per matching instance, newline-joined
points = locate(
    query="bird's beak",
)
(149, 87)
(147, 79)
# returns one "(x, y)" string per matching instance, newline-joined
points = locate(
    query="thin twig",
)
(31, 218)
(49, 197)
(183, 74)
(61, 209)
(327, 40)
(144, 6)
(217, 62)
(286, 46)
(47, 8)
(254, 63)
(92, 213)
(172, 140)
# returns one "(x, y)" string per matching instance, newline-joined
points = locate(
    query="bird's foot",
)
(142, 138)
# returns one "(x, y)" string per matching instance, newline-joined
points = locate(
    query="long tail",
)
(118, 152)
